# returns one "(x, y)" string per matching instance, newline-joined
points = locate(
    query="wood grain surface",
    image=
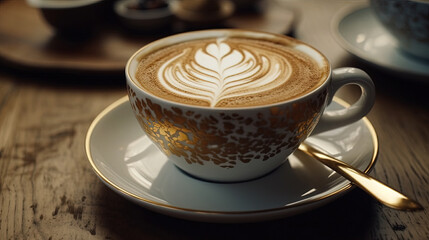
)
(49, 191)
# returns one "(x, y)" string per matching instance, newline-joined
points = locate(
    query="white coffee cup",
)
(243, 143)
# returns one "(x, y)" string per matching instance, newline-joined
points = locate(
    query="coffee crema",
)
(230, 72)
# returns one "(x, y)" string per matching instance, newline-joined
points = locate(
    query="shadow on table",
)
(351, 217)
(65, 79)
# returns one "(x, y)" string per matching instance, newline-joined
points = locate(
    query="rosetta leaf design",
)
(217, 72)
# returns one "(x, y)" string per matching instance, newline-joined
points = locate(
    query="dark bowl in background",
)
(71, 16)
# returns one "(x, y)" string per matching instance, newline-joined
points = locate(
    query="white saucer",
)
(127, 162)
(361, 34)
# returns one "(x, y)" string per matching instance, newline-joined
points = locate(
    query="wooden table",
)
(49, 191)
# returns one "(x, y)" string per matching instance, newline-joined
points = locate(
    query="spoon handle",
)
(383, 193)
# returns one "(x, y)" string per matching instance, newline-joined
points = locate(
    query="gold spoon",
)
(383, 193)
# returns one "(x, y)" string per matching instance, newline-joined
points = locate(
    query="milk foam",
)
(217, 72)
(230, 72)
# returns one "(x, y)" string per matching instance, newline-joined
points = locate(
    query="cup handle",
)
(341, 77)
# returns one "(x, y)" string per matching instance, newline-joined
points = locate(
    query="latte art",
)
(229, 72)
(217, 72)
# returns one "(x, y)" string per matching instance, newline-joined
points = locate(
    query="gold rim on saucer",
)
(124, 99)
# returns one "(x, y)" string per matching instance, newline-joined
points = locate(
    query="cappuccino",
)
(216, 102)
(232, 72)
